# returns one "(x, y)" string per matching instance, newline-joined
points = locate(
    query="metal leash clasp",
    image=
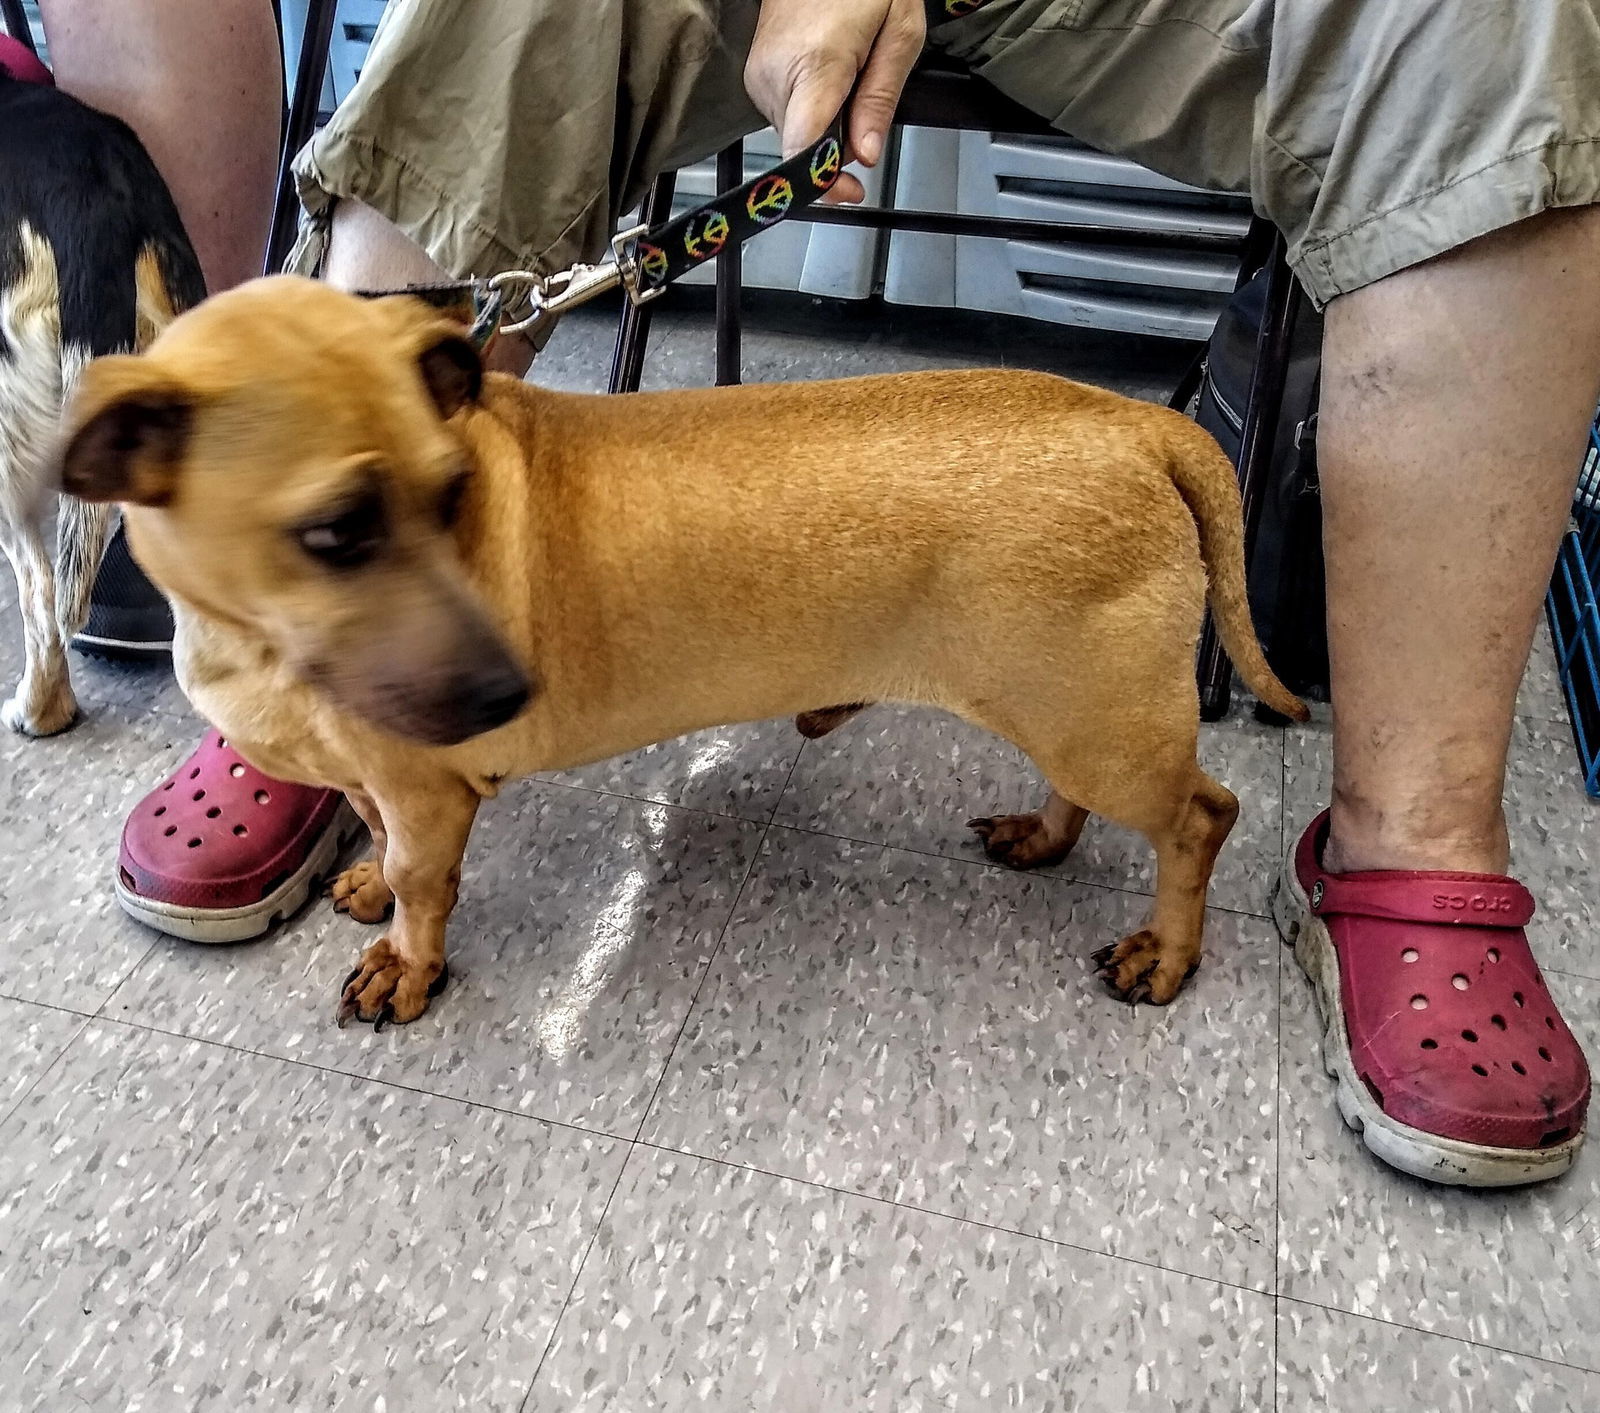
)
(529, 297)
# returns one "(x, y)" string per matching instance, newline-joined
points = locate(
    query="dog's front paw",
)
(387, 986)
(1144, 968)
(361, 892)
(1021, 840)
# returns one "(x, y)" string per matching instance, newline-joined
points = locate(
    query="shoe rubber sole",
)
(95, 645)
(1411, 1150)
(212, 925)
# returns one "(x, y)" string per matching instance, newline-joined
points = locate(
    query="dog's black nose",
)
(494, 697)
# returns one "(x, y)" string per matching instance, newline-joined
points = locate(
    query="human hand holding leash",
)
(808, 55)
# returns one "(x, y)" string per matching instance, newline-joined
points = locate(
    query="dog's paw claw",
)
(1141, 970)
(383, 989)
(1101, 957)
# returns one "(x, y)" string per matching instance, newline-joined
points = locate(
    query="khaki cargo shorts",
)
(1374, 133)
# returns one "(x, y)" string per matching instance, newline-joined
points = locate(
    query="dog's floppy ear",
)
(435, 320)
(125, 433)
(451, 368)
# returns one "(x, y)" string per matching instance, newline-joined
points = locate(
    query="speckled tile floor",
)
(757, 1090)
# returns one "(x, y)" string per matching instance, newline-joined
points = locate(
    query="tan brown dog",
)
(399, 578)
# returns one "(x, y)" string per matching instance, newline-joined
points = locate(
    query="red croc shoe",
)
(221, 852)
(1450, 1056)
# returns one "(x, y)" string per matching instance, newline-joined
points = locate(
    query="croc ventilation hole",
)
(241, 830)
(1419, 1003)
(1498, 1022)
(1545, 1056)
(263, 798)
(194, 843)
(169, 784)
(1519, 1067)
(1479, 1069)
(1520, 999)
(1410, 954)
(1494, 954)
(195, 773)
(169, 831)
(1459, 982)
(1550, 1022)
(1430, 1044)
(213, 812)
(199, 795)
(1470, 1036)
(160, 810)
(235, 770)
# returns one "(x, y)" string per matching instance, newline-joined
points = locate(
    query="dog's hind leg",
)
(361, 889)
(1127, 753)
(426, 823)
(1153, 963)
(815, 724)
(43, 703)
(1032, 840)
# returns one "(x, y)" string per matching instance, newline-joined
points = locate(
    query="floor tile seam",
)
(1002, 871)
(705, 974)
(1545, 1359)
(977, 1223)
(1568, 972)
(627, 798)
(644, 1117)
(84, 1022)
(478, 1105)
(577, 1276)
(47, 1005)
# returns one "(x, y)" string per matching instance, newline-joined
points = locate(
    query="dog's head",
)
(284, 460)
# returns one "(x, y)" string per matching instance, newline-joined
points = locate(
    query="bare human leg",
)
(367, 251)
(202, 86)
(1455, 400)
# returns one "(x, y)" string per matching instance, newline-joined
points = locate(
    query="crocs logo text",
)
(1470, 903)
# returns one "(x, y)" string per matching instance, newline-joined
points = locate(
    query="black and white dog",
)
(93, 260)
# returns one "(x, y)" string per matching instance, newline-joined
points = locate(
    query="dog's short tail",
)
(1205, 479)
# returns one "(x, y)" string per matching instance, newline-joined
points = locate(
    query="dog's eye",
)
(451, 498)
(347, 539)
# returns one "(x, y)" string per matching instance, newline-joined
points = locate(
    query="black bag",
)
(1287, 597)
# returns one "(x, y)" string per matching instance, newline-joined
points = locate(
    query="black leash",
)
(645, 261)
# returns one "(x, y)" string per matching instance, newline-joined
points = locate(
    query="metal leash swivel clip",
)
(529, 297)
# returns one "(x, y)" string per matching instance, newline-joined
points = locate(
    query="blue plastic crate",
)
(1573, 608)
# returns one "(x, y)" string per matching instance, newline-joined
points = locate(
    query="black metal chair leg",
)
(310, 73)
(17, 23)
(1257, 439)
(730, 278)
(633, 333)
